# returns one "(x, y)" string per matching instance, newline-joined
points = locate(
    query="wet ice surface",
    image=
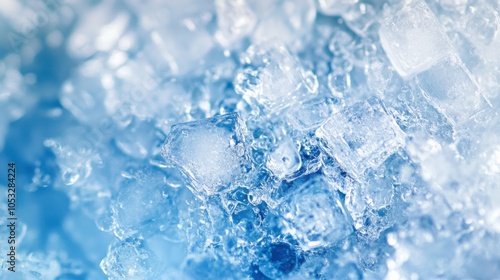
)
(287, 139)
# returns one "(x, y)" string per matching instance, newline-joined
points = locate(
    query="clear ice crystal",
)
(285, 159)
(361, 136)
(273, 78)
(211, 152)
(413, 38)
(314, 215)
(311, 114)
(451, 87)
(144, 204)
(130, 259)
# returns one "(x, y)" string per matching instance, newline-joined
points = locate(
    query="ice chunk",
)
(130, 259)
(482, 26)
(413, 39)
(311, 114)
(314, 215)
(210, 152)
(273, 78)
(378, 192)
(235, 20)
(450, 86)
(339, 84)
(335, 7)
(144, 203)
(285, 159)
(361, 136)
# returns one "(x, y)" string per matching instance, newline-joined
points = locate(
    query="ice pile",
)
(238, 139)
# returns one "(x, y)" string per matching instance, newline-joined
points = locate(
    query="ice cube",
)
(482, 25)
(378, 192)
(285, 159)
(413, 39)
(144, 203)
(450, 86)
(361, 136)
(311, 114)
(130, 259)
(314, 215)
(273, 78)
(210, 152)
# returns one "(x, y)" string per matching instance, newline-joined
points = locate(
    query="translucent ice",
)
(274, 78)
(335, 7)
(285, 159)
(130, 259)
(413, 39)
(311, 114)
(278, 259)
(251, 139)
(314, 215)
(450, 86)
(210, 152)
(143, 204)
(235, 20)
(361, 136)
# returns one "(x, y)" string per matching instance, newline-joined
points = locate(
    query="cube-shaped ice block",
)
(451, 88)
(314, 215)
(211, 153)
(273, 78)
(413, 39)
(361, 136)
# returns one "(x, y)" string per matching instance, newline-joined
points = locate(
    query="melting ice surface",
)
(252, 139)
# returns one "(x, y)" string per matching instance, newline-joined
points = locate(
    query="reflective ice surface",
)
(251, 139)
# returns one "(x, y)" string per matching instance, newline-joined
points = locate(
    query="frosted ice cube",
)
(361, 136)
(210, 152)
(130, 259)
(235, 20)
(450, 86)
(413, 39)
(274, 78)
(314, 215)
(285, 159)
(335, 7)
